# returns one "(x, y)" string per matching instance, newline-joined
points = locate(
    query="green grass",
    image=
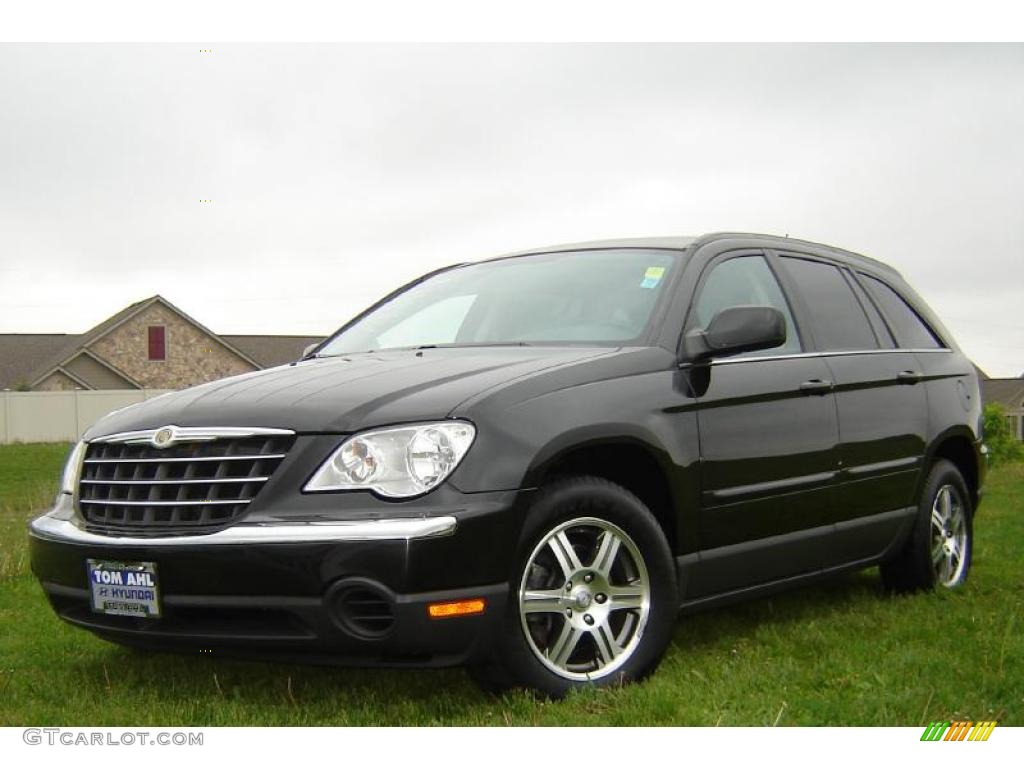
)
(841, 653)
(29, 475)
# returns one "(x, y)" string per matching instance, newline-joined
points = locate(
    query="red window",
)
(157, 342)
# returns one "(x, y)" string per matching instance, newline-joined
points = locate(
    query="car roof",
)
(681, 242)
(676, 243)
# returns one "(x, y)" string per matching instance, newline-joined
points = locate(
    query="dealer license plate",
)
(124, 589)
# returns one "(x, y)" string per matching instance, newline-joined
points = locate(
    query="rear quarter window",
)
(910, 330)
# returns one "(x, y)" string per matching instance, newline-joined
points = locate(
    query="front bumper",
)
(275, 589)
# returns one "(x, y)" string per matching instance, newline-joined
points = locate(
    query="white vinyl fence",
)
(57, 417)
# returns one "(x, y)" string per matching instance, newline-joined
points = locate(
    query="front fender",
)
(516, 443)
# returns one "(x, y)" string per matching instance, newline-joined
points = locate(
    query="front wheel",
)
(593, 596)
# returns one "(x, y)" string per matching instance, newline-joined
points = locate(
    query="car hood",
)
(343, 394)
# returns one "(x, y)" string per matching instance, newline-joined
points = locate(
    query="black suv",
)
(531, 464)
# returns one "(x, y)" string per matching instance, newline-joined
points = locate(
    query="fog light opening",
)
(362, 608)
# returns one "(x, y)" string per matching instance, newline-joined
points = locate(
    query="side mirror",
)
(736, 330)
(307, 350)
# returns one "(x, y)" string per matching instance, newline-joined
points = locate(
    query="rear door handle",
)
(816, 387)
(908, 377)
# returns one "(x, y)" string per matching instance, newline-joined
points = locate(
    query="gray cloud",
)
(338, 171)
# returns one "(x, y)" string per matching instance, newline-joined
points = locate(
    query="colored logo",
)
(959, 730)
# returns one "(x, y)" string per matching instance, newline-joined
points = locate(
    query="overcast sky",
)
(338, 172)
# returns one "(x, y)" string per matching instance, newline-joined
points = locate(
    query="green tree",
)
(1002, 444)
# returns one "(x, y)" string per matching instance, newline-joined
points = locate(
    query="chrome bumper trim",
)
(55, 529)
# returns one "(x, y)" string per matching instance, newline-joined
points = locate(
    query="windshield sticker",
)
(652, 277)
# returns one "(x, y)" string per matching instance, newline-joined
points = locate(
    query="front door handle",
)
(908, 377)
(816, 387)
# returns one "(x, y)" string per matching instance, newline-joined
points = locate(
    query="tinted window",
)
(885, 338)
(741, 281)
(837, 319)
(910, 330)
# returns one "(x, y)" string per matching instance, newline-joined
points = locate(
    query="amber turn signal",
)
(456, 608)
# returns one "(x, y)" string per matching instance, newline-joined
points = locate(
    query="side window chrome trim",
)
(840, 353)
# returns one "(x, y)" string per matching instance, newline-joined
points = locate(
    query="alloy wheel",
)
(584, 599)
(948, 536)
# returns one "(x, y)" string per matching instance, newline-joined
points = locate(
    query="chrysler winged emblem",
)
(163, 437)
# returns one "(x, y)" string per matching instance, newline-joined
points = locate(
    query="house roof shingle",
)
(1009, 392)
(269, 351)
(20, 354)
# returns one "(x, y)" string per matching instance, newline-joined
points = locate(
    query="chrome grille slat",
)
(179, 482)
(197, 458)
(192, 434)
(131, 487)
(148, 503)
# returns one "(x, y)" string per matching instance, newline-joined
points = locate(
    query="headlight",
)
(72, 469)
(396, 462)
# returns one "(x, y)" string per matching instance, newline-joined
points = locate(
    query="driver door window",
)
(739, 281)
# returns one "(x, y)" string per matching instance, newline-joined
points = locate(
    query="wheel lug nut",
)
(568, 586)
(588, 618)
(588, 578)
(600, 597)
(568, 612)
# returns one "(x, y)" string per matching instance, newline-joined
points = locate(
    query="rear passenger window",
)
(838, 321)
(744, 281)
(910, 330)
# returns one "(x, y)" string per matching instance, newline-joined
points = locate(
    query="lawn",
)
(841, 653)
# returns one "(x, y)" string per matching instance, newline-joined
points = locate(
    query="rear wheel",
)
(593, 596)
(938, 552)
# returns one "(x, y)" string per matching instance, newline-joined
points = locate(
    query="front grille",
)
(132, 488)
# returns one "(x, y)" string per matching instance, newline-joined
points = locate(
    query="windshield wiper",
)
(458, 345)
(321, 355)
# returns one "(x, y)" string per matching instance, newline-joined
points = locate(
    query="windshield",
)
(576, 297)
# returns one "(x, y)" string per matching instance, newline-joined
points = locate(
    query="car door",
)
(768, 437)
(881, 406)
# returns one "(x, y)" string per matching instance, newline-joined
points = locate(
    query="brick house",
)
(149, 345)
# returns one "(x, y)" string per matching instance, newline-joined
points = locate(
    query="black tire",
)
(915, 567)
(644, 618)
